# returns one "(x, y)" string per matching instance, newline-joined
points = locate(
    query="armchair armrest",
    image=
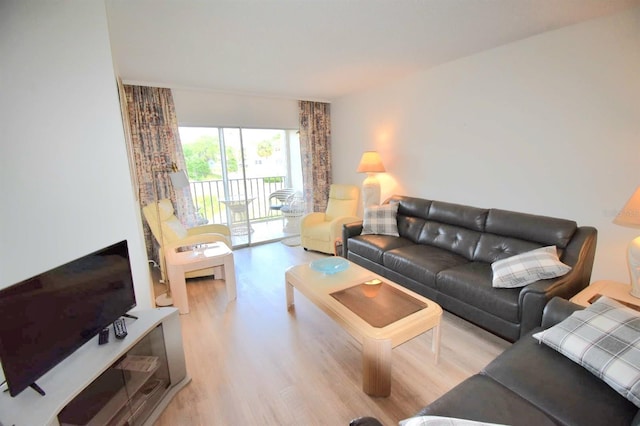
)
(197, 239)
(209, 229)
(338, 223)
(350, 230)
(312, 219)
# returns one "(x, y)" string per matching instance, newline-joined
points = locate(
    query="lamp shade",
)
(371, 163)
(630, 213)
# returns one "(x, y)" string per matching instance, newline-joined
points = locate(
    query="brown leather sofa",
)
(444, 252)
(532, 384)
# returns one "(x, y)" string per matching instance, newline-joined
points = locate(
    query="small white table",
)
(208, 256)
(239, 207)
(612, 289)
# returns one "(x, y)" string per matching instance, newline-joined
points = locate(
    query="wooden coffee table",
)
(391, 317)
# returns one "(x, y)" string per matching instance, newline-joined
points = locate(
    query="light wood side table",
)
(208, 256)
(611, 289)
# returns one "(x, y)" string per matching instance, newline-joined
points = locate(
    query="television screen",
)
(47, 317)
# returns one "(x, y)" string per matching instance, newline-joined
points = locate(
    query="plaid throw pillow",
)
(605, 339)
(525, 268)
(381, 220)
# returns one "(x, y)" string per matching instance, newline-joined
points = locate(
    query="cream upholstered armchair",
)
(319, 231)
(175, 234)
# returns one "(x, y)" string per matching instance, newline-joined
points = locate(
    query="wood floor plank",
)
(253, 363)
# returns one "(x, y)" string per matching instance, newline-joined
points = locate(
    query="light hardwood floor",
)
(253, 363)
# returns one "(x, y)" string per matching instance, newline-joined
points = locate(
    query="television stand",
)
(128, 381)
(37, 388)
(33, 386)
(130, 316)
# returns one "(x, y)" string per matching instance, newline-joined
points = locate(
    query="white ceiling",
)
(318, 49)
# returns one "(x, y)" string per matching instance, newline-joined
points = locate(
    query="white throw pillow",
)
(604, 338)
(381, 220)
(529, 267)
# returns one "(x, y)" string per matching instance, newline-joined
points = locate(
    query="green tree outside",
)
(199, 155)
(265, 149)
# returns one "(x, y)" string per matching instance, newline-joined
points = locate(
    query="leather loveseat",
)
(532, 384)
(444, 252)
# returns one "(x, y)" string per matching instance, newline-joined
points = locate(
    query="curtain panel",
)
(155, 147)
(315, 150)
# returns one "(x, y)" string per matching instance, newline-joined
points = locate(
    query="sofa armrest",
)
(349, 230)
(557, 310)
(579, 254)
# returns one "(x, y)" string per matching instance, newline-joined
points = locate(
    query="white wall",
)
(66, 188)
(202, 108)
(548, 125)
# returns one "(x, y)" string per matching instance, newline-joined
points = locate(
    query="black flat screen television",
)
(44, 319)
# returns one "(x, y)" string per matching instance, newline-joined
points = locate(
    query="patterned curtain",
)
(155, 147)
(315, 150)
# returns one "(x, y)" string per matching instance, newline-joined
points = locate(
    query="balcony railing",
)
(211, 198)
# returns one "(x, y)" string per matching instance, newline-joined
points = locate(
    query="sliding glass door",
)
(234, 171)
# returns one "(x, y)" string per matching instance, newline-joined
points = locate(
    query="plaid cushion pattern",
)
(381, 220)
(525, 268)
(605, 339)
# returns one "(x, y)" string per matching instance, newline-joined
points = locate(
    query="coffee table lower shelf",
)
(377, 342)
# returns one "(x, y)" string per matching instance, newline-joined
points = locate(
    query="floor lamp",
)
(179, 180)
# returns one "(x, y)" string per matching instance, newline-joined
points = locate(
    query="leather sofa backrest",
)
(509, 233)
(455, 214)
(541, 229)
(478, 234)
(452, 238)
(492, 247)
(453, 227)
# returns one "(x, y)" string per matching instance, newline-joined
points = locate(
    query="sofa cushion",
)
(471, 283)
(559, 386)
(526, 268)
(373, 246)
(421, 262)
(482, 399)
(605, 339)
(381, 220)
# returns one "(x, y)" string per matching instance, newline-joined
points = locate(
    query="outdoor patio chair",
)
(278, 199)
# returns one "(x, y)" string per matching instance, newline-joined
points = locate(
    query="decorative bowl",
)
(371, 288)
(330, 265)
